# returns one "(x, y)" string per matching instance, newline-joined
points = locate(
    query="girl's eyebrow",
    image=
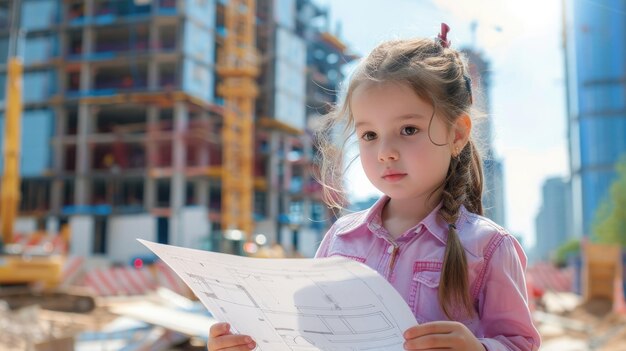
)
(410, 116)
(400, 118)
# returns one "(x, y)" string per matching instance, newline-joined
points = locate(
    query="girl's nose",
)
(388, 153)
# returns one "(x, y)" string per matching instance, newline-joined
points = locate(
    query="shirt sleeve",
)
(503, 303)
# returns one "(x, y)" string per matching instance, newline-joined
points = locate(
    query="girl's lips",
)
(394, 177)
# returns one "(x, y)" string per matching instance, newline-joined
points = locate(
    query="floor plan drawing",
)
(295, 304)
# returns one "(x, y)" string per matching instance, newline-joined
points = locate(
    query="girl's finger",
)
(231, 342)
(219, 329)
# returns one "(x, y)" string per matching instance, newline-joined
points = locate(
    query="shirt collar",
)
(372, 219)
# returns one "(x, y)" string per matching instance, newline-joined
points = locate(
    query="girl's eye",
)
(367, 136)
(409, 130)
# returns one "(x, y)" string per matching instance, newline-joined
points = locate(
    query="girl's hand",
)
(441, 336)
(220, 338)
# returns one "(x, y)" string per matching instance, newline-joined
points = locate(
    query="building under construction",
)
(177, 121)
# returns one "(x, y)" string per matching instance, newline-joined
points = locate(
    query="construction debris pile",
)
(593, 319)
(568, 323)
(25, 330)
(161, 320)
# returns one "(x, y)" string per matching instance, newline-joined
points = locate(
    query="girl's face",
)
(396, 151)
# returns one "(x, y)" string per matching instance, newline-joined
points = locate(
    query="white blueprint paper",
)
(295, 304)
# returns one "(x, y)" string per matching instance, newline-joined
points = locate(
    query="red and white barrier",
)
(41, 241)
(120, 281)
(73, 268)
(546, 277)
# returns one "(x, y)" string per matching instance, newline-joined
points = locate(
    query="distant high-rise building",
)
(493, 192)
(123, 120)
(553, 222)
(595, 52)
(300, 75)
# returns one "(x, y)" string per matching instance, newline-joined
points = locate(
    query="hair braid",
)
(454, 282)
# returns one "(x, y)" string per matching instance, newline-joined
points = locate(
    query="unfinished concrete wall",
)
(81, 242)
(196, 226)
(25, 225)
(122, 235)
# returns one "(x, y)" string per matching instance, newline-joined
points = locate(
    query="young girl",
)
(409, 103)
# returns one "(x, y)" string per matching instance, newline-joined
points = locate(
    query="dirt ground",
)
(587, 326)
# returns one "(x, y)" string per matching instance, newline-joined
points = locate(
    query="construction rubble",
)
(160, 320)
(566, 323)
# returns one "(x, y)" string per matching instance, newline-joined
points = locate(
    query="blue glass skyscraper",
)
(595, 58)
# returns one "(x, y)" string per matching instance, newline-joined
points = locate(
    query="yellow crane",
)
(10, 191)
(238, 69)
(17, 269)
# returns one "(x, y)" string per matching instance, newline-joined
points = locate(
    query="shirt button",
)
(390, 249)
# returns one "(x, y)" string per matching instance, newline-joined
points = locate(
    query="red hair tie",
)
(443, 36)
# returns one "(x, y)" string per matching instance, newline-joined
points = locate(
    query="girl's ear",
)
(462, 131)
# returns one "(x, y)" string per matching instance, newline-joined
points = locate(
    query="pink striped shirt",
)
(496, 265)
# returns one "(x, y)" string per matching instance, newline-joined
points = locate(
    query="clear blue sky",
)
(527, 94)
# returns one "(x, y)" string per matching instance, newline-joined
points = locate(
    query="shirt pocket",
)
(423, 297)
